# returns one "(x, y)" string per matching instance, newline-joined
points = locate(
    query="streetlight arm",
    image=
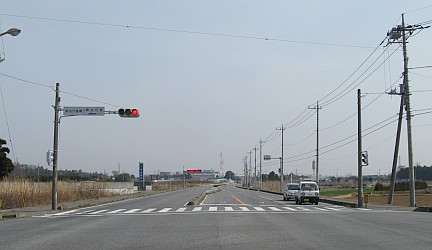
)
(12, 32)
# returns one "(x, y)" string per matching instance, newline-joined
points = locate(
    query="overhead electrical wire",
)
(185, 31)
(52, 88)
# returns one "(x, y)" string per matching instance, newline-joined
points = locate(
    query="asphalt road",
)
(230, 219)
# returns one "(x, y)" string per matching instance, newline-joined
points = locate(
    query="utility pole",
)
(250, 168)
(408, 118)
(260, 168)
(281, 164)
(246, 171)
(394, 35)
(359, 155)
(255, 174)
(396, 151)
(55, 147)
(317, 107)
(184, 179)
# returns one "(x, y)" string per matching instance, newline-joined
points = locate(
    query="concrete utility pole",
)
(317, 107)
(394, 35)
(396, 151)
(250, 167)
(260, 168)
(359, 155)
(408, 118)
(55, 147)
(255, 174)
(281, 159)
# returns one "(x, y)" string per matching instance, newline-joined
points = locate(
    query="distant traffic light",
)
(365, 158)
(128, 113)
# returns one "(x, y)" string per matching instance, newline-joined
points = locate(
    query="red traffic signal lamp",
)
(128, 113)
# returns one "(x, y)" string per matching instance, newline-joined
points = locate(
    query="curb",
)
(199, 199)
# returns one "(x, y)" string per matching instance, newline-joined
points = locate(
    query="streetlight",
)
(12, 32)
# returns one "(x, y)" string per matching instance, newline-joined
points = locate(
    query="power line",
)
(186, 31)
(51, 87)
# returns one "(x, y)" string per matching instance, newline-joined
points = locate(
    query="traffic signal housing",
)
(128, 113)
(364, 158)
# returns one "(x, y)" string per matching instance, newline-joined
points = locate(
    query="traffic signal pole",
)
(359, 155)
(55, 153)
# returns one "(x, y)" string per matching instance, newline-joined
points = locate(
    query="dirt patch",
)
(399, 199)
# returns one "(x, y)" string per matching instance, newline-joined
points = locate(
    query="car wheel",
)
(296, 200)
(316, 202)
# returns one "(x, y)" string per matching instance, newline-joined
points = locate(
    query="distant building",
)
(203, 174)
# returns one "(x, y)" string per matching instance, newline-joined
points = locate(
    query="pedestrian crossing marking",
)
(149, 210)
(210, 209)
(131, 211)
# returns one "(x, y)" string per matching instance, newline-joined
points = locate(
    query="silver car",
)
(290, 191)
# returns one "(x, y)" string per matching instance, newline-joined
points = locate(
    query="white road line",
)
(165, 210)
(116, 211)
(321, 209)
(259, 208)
(85, 212)
(132, 211)
(332, 208)
(98, 212)
(148, 210)
(290, 208)
(364, 209)
(212, 209)
(197, 209)
(303, 208)
(274, 208)
(229, 209)
(182, 209)
(244, 208)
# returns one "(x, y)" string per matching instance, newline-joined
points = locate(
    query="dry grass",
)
(16, 193)
(273, 186)
(177, 185)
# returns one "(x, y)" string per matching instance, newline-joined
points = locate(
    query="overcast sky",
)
(212, 77)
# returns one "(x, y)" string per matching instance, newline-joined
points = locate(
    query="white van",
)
(290, 191)
(308, 191)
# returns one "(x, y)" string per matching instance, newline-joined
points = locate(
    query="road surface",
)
(230, 219)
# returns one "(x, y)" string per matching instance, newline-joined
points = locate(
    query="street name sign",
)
(85, 111)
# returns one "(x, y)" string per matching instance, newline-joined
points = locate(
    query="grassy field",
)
(20, 192)
(400, 198)
(16, 193)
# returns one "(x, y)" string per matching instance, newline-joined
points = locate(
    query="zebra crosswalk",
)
(205, 209)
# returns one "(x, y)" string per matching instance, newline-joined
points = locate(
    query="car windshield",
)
(309, 186)
(292, 187)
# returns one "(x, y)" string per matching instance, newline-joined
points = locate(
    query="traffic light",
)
(50, 157)
(128, 113)
(364, 158)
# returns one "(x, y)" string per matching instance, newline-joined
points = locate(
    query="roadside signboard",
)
(84, 111)
(141, 171)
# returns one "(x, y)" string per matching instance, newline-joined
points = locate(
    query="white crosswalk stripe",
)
(149, 210)
(164, 210)
(131, 211)
(214, 208)
(116, 211)
(274, 209)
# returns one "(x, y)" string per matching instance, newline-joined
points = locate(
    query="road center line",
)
(238, 200)
(280, 202)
